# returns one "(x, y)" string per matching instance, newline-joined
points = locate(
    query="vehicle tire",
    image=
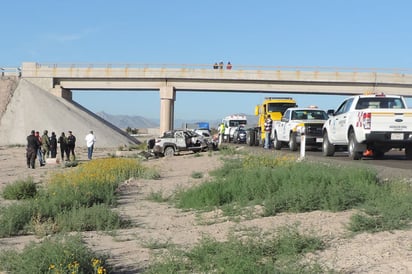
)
(169, 151)
(353, 144)
(327, 148)
(293, 145)
(276, 143)
(250, 138)
(408, 152)
(258, 139)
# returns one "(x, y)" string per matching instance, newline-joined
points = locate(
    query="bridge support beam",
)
(62, 92)
(167, 102)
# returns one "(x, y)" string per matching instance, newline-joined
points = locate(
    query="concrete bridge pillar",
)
(167, 103)
(61, 92)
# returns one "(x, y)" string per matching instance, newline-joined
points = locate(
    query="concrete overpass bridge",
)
(61, 79)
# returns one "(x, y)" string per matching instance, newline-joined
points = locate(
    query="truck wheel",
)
(276, 143)
(353, 144)
(250, 138)
(408, 152)
(293, 145)
(169, 151)
(327, 148)
(258, 139)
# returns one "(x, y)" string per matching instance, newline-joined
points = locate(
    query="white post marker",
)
(302, 143)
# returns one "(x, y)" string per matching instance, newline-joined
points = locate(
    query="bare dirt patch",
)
(129, 249)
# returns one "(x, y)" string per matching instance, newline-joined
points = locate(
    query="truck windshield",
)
(235, 123)
(379, 102)
(309, 115)
(280, 107)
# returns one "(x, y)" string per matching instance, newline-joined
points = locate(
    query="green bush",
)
(78, 199)
(97, 217)
(197, 175)
(281, 185)
(251, 254)
(15, 218)
(62, 254)
(389, 208)
(300, 187)
(20, 189)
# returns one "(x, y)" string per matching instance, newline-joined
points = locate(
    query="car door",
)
(338, 126)
(283, 131)
(180, 139)
(287, 125)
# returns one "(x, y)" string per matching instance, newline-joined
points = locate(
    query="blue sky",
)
(327, 33)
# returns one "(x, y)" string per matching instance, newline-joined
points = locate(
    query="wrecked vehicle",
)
(174, 141)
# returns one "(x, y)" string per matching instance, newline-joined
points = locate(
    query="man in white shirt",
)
(90, 140)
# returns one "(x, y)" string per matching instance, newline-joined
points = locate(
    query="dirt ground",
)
(129, 249)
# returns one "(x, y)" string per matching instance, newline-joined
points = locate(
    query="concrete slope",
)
(34, 108)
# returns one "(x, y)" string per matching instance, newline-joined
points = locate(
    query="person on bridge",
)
(229, 65)
(221, 65)
(268, 131)
(90, 140)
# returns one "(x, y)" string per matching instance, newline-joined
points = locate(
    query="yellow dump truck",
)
(275, 106)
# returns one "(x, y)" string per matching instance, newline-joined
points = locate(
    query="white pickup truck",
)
(295, 122)
(369, 125)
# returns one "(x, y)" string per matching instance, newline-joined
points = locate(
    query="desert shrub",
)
(157, 197)
(20, 189)
(389, 207)
(281, 186)
(15, 218)
(85, 193)
(252, 254)
(228, 150)
(62, 254)
(96, 217)
(197, 175)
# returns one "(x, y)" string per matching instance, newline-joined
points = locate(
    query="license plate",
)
(396, 136)
(319, 140)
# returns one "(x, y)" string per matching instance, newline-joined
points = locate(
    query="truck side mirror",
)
(331, 112)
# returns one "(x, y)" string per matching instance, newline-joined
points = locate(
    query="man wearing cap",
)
(90, 140)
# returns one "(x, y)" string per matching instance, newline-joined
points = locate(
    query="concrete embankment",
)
(7, 86)
(25, 107)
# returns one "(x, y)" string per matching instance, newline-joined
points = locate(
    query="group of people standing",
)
(220, 65)
(43, 147)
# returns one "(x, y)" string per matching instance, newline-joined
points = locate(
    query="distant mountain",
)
(124, 121)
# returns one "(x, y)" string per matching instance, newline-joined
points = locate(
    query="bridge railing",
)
(234, 67)
(10, 71)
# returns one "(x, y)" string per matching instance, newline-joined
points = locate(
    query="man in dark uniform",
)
(71, 143)
(33, 144)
